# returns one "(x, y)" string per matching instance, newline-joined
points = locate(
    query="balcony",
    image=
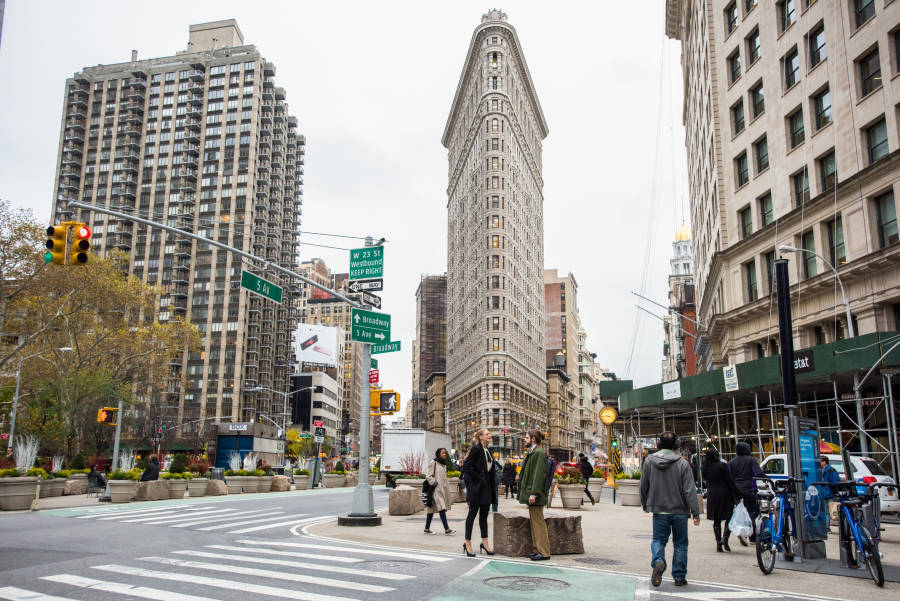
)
(77, 101)
(279, 94)
(269, 69)
(197, 74)
(196, 95)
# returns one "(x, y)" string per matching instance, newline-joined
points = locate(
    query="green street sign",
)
(374, 363)
(304, 436)
(386, 347)
(366, 263)
(369, 326)
(262, 287)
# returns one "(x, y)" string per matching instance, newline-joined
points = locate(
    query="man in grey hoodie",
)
(668, 491)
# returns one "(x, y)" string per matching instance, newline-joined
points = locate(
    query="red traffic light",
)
(82, 232)
(81, 244)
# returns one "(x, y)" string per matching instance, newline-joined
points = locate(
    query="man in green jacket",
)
(533, 492)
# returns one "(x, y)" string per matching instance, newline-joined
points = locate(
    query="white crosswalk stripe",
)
(124, 589)
(273, 515)
(283, 553)
(294, 522)
(11, 593)
(208, 518)
(221, 518)
(181, 516)
(397, 554)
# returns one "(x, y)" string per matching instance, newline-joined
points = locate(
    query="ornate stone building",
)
(679, 359)
(495, 242)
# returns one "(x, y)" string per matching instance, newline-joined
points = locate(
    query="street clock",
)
(608, 415)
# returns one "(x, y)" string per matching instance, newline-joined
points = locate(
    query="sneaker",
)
(681, 582)
(659, 566)
(449, 532)
(427, 531)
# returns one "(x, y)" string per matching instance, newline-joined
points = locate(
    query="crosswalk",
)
(294, 569)
(227, 520)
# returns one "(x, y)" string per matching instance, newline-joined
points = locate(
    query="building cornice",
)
(673, 19)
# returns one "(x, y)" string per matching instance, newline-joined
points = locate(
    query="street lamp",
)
(785, 248)
(15, 405)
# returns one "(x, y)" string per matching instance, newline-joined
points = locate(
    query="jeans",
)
(588, 493)
(442, 514)
(677, 524)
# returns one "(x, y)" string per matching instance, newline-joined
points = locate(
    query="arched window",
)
(495, 125)
(495, 59)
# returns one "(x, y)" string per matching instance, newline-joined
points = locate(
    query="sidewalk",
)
(617, 539)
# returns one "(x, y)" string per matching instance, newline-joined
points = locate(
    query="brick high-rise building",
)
(203, 141)
(495, 241)
(429, 347)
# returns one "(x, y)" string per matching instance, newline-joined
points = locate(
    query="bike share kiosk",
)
(811, 507)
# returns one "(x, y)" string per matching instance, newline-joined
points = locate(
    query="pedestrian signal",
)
(384, 401)
(81, 244)
(107, 415)
(56, 245)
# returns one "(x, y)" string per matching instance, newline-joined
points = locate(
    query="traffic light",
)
(80, 244)
(107, 415)
(615, 443)
(384, 401)
(56, 245)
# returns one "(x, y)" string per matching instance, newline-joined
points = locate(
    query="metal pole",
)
(12, 417)
(758, 425)
(772, 425)
(115, 461)
(363, 509)
(734, 416)
(697, 434)
(891, 425)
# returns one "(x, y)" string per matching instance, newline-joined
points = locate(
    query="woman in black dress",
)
(720, 498)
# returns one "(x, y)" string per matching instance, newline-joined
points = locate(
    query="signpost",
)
(320, 435)
(374, 285)
(366, 263)
(386, 347)
(262, 287)
(370, 327)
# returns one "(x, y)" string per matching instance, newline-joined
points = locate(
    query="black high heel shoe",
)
(466, 551)
(483, 548)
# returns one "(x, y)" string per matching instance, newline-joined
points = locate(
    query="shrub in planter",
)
(301, 472)
(177, 484)
(178, 463)
(16, 489)
(571, 487)
(122, 485)
(201, 468)
(78, 462)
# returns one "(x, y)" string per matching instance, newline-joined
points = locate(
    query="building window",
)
(731, 17)
(765, 209)
(770, 270)
(887, 219)
(753, 46)
(808, 243)
(791, 68)
(869, 73)
(795, 128)
(828, 171)
(494, 82)
(495, 143)
(836, 252)
(737, 117)
(863, 10)
(786, 14)
(750, 271)
(876, 140)
(496, 368)
(496, 392)
(495, 302)
(495, 323)
(495, 241)
(734, 66)
(745, 216)
(761, 149)
(822, 104)
(758, 100)
(495, 202)
(800, 182)
(496, 344)
(749, 5)
(742, 169)
(817, 50)
(495, 125)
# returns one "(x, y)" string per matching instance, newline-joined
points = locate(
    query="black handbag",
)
(428, 491)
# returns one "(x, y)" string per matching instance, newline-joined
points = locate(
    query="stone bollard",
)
(512, 533)
(404, 500)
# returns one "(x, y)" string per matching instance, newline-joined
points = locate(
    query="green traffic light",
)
(48, 257)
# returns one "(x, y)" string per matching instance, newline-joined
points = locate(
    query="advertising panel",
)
(317, 344)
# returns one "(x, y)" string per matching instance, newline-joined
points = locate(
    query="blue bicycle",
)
(864, 547)
(775, 529)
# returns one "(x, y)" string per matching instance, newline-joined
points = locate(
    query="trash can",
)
(217, 473)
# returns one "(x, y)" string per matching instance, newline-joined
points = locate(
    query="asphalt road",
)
(254, 547)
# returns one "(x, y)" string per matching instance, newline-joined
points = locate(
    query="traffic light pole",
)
(115, 458)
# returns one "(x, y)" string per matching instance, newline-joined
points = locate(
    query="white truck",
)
(407, 451)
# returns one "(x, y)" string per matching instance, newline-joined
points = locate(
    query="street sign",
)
(373, 376)
(4, 436)
(366, 262)
(304, 435)
(237, 427)
(363, 285)
(262, 287)
(320, 434)
(371, 299)
(317, 423)
(386, 347)
(374, 363)
(368, 326)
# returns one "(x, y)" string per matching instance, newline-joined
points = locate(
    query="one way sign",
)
(368, 326)
(371, 285)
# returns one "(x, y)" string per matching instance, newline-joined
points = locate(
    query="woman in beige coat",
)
(436, 474)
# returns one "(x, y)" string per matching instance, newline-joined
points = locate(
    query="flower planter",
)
(571, 494)
(628, 492)
(455, 490)
(197, 487)
(352, 479)
(301, 481)
(334, 480)
(52, 488)
(122, 491)
(177, 488)
(595, 486)
(235, 484)
(17, 493)
(372, 477)
(251, 484)
(265, 484)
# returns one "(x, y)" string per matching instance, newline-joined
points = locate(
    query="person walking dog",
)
(721, 496)
(669, 493)
(436, 475)
(533, 492)
(478, 474)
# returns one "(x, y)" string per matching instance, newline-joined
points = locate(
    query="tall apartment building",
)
(495, 240)
(561, 354)
(429, 346)
(204, 142)
(792, 139)
(679, 326)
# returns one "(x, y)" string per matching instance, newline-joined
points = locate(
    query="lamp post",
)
(284, 396)
(863, 443)
(15, 404)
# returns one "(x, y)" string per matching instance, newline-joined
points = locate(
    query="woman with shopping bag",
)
(721, 495)
(743, 469)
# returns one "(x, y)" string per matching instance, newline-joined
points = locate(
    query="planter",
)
(571, 494)
(17, 493)
(265, 484)
(52, 488)
(121, 491)
(177, 488)
(196, 487)
(414, 482)
(301, 482)
(334, 480)
(595, 486)
(235, 484)
(77, 484)
(352, 479)
(628, 492)
(455, 490)
(372, 477)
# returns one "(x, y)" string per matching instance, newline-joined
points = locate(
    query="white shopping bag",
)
(740, 523)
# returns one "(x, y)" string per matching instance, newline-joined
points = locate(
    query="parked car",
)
(865, 469)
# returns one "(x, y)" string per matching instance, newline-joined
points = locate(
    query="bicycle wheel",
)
(871, 556)
(787, 538)
(765, 552)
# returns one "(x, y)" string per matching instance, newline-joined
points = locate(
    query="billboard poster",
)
(317, 344)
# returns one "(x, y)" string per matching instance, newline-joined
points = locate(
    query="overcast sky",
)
(371, 84)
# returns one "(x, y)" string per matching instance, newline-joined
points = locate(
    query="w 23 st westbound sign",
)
(366, 263)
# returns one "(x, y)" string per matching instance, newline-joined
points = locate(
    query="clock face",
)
(608, 415)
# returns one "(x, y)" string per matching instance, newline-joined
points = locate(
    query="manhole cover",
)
(397, 564)
(599, 561)
(526, 583)
(647, 536)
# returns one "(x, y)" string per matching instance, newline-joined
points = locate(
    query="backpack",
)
(551, 470)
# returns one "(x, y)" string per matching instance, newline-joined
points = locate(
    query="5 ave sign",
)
(368, 326)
